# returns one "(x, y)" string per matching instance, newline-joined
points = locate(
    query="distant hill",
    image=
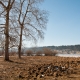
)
(71, 47)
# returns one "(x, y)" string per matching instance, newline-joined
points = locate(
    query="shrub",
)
(1, 53)
(39, 53)
(54, 53)
(29, 52)
(49, 52)
(12, 53)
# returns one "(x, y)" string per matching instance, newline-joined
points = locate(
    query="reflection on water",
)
(68, 55)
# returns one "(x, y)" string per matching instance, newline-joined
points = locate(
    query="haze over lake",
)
(68, 55)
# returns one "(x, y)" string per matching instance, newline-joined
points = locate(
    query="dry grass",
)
(17, 69)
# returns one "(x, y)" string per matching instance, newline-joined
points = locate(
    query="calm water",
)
(68, 55)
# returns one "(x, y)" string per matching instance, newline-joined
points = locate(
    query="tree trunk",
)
(20, 43)
(7, 37)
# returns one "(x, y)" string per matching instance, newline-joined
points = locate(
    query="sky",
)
(63, 27)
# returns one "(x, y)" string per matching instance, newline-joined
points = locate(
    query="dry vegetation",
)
(44, 52)
(49, 52)
(40, 68)
(29, 52)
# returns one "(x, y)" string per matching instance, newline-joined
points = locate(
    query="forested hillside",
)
(71, 47)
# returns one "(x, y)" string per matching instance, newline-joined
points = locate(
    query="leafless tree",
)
(6, 6)
(32, 21)
(27, 21)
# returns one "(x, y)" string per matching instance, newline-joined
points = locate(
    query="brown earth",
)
(40, 68)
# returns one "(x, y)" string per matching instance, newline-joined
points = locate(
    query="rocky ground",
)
(40, 68)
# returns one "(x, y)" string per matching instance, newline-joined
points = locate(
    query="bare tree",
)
(32, 21)
(6, 6)
(27, 21)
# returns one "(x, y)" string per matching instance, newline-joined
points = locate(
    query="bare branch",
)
(12, 4)
(3, 5)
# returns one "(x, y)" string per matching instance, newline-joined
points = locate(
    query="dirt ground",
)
(40, 68)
